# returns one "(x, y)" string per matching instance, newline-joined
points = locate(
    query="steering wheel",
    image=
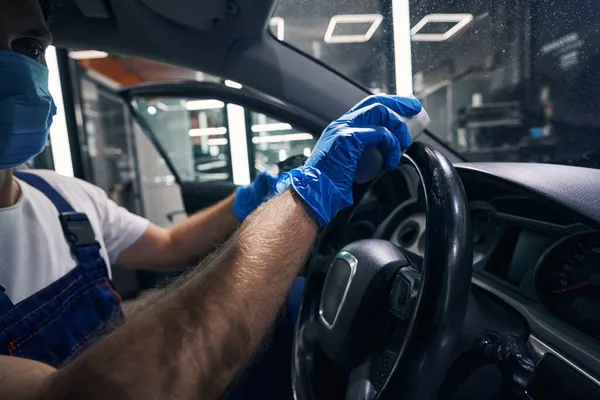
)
(388, 323)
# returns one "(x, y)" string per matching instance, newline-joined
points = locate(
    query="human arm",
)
(189, 241)
(193, 341)
(183, 244)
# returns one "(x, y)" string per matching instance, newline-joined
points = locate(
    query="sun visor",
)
(201, 15)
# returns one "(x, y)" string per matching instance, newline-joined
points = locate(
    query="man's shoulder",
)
(72, 189)
(59, 181)
(49, 175)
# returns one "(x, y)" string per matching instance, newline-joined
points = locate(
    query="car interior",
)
(468, 272)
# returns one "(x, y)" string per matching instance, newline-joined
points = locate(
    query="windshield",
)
(514, 80)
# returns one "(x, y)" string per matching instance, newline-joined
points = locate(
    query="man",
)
(61, 234)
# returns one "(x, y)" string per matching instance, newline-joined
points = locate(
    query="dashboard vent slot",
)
(526, 208)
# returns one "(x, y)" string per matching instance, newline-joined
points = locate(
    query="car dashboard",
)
(536, 248)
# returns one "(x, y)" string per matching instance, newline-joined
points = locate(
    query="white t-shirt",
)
(33, 249)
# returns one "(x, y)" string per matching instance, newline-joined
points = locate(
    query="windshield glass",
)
(514, 80)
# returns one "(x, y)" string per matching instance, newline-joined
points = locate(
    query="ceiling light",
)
(374, 19)
(198, 105)
(233, 84)
(211, 165)
(293, 137)
(282, 154)
(278, 24)
(162, 106)
(271, 127)
(221, 130)
(217, 142)
(461, 20)
(87, 54)
(152, 110)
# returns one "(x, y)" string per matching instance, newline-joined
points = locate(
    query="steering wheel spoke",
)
(404, 293)
(366, 380)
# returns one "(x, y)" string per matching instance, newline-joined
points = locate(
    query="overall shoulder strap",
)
(40, 184)
(76, 226)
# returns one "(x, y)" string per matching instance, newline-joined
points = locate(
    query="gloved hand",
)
(249, 198)
(325, 181)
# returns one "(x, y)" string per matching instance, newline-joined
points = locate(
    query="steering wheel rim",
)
(437, 310)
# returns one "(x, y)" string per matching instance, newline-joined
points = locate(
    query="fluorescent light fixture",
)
(198, 105)
(233, 84)
(87, 54)
(402, 47)
(271, 127)
(211, 165)
(279, 25)
(173, 107)
(217, 142)
(221, 130)
(152, 110)
(293, 137)
(208, 176)
(166, 179)
(162, 106)
(282, 154)
(59, 134)
(374, 19)
(461, 20)
(240, 165)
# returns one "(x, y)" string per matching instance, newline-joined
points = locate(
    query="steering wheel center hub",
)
(353, 313)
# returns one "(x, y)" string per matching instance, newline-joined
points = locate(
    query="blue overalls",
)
(60, 321)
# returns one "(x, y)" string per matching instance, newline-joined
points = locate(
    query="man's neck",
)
(8, 190)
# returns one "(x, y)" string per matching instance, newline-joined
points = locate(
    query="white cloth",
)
(33, 250)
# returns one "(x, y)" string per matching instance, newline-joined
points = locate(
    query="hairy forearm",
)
(185, 243)
(201, 233)
(192, 342)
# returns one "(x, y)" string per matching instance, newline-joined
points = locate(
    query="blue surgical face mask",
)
(26, 109)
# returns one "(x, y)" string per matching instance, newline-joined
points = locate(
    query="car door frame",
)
(244, 97)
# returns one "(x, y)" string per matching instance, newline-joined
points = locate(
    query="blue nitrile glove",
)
(325, 181)
(249, 198)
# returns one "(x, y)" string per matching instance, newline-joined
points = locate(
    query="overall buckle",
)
(78, 230)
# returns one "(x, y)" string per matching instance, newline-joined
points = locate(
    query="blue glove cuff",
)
(317, 191)
(239, 208)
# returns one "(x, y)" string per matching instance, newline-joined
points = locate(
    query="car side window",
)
(209, 140)
(274, 141)
(193, 136)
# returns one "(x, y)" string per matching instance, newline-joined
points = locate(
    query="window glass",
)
(109, 151)
(355, 37)
(274, 141)
(107, 138)
(504, 80)
(194, 135)
(207, 140)
(203, 140)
